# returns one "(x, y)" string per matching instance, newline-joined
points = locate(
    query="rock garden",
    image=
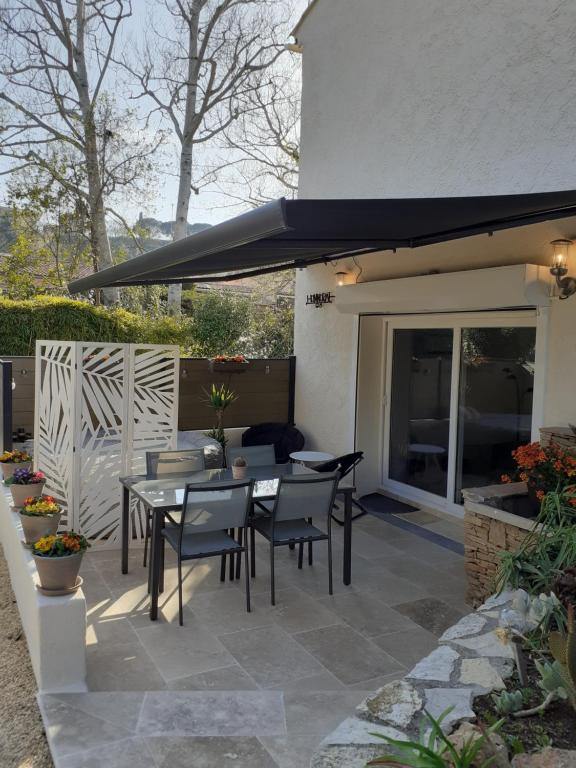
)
(500, 689)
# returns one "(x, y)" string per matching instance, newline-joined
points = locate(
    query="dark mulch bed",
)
(556, 727)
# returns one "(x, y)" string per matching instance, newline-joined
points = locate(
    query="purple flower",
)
(26, 477)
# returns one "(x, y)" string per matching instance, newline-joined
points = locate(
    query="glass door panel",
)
(420, 408)
(495, 402)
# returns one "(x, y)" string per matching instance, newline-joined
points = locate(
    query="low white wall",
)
(55, 627)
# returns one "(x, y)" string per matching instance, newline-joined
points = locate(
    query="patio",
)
(259, 689)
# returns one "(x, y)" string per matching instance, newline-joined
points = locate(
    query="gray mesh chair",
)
(300, 499)
(209, 512)
(255, 455)
(164, 464)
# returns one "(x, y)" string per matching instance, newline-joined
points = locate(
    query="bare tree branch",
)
(198, 72)
(59, 117)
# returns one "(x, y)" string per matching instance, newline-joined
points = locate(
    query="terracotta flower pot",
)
(37, 526)
(8, 468)
(58, 573)
(239, 473)
(21, 492)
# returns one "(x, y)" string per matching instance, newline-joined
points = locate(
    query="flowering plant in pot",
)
(544, 469)
(229, 364)
(58, 560)
(10, 461)
(25, 483)
(40, 517)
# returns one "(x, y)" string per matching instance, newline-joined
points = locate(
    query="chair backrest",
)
(216, 506)
(305, 496)
(164, 463)
(255, 455)
(285, 438)
(343, 464)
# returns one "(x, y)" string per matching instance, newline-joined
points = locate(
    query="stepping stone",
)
(360, 732)
(497, 600)
(438, 665)
(396, 704)
(487, 645)
(346, 756)
(480, 672)
(438, 700)
(469, 625)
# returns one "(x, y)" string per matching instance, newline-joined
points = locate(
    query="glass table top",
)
(169, 492)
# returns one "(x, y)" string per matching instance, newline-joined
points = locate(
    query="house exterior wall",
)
(432, 98)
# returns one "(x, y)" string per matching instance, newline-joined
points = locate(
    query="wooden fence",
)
(265, 393)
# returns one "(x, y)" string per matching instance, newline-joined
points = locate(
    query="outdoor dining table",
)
(166, 495)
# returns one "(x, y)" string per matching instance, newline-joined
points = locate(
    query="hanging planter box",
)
(228, 366)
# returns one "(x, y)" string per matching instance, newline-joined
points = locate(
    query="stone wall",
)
(489, 531)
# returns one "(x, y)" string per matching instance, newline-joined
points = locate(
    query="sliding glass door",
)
(459, 400)
(494, 403)
(420, 408)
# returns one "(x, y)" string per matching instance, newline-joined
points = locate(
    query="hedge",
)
(46, 317)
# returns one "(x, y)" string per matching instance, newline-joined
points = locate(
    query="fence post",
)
(291, 387)
(6, 405)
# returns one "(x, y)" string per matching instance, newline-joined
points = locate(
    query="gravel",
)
(22, 740)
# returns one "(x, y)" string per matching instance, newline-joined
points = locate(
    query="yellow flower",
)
(45, 544)
(504, 635)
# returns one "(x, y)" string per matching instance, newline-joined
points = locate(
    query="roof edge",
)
(311, 5)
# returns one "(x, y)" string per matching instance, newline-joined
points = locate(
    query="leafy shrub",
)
(46, 317)
(546, 551)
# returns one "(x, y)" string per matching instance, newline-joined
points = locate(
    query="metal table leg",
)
(347, 574)
(155, 562)
(125, 533)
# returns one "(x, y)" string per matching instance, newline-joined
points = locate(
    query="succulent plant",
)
(239, 461)
(526, 612)
(565, 587)
(559, 677)
(508, 702)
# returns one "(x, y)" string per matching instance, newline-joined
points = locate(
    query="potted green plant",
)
(239, 468)
(10, 461)
(25, 483)
(40, 517)
(219, 398)
(58, 560)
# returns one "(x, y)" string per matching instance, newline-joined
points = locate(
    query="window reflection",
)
(495, 402)
(420, 408)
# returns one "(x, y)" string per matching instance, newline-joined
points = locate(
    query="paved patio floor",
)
(259, 689)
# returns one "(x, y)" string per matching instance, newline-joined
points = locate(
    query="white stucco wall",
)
(415, 98)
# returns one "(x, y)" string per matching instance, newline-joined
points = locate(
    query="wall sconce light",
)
(566, 285)
(342, 278)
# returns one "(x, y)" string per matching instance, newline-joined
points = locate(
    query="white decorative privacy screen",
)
(99, 408)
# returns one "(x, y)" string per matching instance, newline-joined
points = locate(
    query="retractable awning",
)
(297, 233)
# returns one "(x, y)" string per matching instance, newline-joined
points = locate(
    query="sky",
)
(208, 207)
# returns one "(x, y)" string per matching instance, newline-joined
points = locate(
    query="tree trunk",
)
(98, 230)
(181, 223)
(187, 142)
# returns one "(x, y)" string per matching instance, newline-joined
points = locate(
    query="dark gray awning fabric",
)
(297, 233)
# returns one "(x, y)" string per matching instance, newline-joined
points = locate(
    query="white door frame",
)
(537, 318)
